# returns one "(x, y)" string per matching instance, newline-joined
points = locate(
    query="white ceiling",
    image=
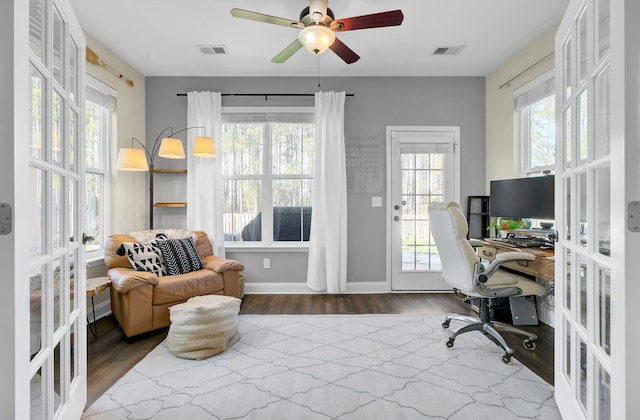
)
(159, 37)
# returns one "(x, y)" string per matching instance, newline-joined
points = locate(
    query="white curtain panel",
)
(327, 269)
(204, 188)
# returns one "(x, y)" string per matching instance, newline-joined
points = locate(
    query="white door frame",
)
(389, 199)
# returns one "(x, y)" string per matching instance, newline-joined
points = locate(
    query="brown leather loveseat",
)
(140, 300)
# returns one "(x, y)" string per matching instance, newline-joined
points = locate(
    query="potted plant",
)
(501, 225)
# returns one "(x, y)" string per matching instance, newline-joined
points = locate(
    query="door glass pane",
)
(583, 373)
(567, 350)
(582, 208)
(568, 82)
(58, 48)
(242, 216)
(602, 126)
(57, 377)
(602, 177)
(36, 391)
(583, 291)
(567, 208)
(73, 130)
(422, 183)
(73, 213)
(567, 280)
(583, 130)
(582, 48)
(57, 292)
(73, 70)
(57, 209)
(37, 113)
(75, 355)
(568, 149)
(603, 323)
(603, 27)
(37, 185)
(37, 27)
(603, 397)
(57, 128)
(35, 310)
(73, 285)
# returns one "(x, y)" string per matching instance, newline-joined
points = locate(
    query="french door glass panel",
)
(57, 335)
(583, 213)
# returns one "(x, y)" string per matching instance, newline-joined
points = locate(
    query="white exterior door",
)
(597, 102)
(423, 163)
(56, 193)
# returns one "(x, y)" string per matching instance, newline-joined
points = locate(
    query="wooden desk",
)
(542, 266)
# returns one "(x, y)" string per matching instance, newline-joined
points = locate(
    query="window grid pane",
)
(541, 133)
(288, 151)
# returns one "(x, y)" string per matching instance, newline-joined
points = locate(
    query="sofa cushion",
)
(145, 257)
(178, 288)
(180, 256)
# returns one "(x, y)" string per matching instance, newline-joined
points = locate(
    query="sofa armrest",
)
(220, 265)
(124, 279)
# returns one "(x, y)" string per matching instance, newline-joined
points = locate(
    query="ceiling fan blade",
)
(344, 52)
(261, 17)
(375, 20)
(287, 52)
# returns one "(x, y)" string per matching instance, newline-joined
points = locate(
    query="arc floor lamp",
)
(142, 160)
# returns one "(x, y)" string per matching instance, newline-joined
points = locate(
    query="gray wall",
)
(378, 102)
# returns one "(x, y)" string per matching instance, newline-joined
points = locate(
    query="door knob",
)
(86, 238)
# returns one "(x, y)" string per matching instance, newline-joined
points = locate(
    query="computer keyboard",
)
(525, 242)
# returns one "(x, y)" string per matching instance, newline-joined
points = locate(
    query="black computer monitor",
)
(522, 198)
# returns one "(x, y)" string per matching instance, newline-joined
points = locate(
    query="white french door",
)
(56, 189)
(423, 166)
(597, 175)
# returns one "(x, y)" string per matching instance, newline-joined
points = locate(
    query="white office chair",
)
(462, 269)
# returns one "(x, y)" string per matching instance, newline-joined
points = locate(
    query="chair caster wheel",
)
(445, 324)
(529, 344)
(449, 343)
(506, 358)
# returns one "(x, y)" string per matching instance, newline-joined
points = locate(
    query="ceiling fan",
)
(318, 25)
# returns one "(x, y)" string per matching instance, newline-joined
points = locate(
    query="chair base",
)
(488, 328)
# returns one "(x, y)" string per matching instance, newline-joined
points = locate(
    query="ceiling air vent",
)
(212, 49)
(448, 50)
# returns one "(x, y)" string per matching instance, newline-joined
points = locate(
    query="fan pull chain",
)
(318, 66)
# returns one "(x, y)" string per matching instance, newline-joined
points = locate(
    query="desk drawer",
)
(540, 267)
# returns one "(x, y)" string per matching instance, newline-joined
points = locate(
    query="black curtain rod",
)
(266, 95)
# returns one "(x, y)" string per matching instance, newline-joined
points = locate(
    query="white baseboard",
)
(302, 288)
(102, 309)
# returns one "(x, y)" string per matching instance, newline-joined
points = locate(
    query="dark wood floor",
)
(111, 355)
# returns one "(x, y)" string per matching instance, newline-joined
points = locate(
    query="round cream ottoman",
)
(203, 326)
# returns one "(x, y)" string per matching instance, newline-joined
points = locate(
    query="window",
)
(536, 102)
(267, 172)
(100, 104)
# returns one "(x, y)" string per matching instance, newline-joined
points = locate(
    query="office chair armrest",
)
(475, 243)
(505, 257)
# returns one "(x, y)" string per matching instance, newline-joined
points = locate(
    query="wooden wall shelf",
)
(170, 171)
(171, 204)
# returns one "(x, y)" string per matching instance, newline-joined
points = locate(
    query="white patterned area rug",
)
(333, 367)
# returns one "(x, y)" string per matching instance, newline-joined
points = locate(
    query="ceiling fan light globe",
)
(316, 38)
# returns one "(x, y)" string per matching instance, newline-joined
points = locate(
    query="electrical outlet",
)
(266, 263)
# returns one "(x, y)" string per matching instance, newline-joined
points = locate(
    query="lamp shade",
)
(132, 160)
(204, 147)
(316, 38)
(171, 148)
